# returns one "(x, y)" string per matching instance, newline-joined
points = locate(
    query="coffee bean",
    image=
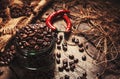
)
(61, 37)
(34, 38)
(44, 32)
(76, 41)
(45, 43)
(71, 57)
(84, 58)
(58, 41)
(65, 65)
(24, 35)
(58, 55)
(81, 49)
(64, 44)
(58, 61)
(67, 69)
(65, 48)
(80, 45)
(26, 44)
(67, 77)
(76, 60)
(49, 36)
(72, 67)
(71, 62)
(40, 41)
(65, 61)
(58, 47)
(47, 39)
(73, 39)
(60, 69)
(36, 47)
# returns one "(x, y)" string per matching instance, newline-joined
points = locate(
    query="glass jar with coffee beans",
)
(35, 44)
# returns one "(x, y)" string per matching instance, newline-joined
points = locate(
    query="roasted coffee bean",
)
(81, 49)
(36, 47)
(65, 48)
(71, 57)
(76, 41)
(76, 60)
(71, 62)
(64, 44)
(67, 69)
(32, 42)
(60, 69)
(73, 39)
(84, 58)
(67, 77)
(65, 65)
(72, 67)
(80, 45)
(34, 38)
(65, 61)
(61, 37)
(26, 44)
(58, 47)
(58, 41)
(58, 55)
(49, 36)
(45, 43)
(58, 61)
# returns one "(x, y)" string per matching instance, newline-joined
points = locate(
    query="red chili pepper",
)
(55, 14)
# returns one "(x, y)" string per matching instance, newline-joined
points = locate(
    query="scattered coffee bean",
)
(76, 60)
(58, 61)
(58, 55)
(60, 69)
(58, 47)
(64, 44)
(67, 77)
(67, 69)
(65, 65)
(81, 49)
(84, 58)
(71, 57)
(65, 61)
(76, 41)
(72, 67)
(73, 39)
(58, 41)
(80, 45)
(61, 37)
(65, 48)
(71, 62)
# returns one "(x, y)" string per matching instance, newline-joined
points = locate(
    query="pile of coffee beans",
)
(7, 55)
(34, 37)
(17, 11)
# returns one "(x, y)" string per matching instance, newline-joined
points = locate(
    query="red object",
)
(55, 14)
